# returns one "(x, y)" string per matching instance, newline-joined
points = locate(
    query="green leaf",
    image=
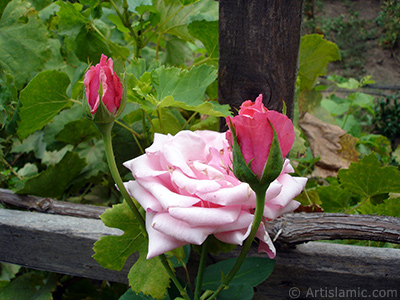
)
(309, 197)
(32, 143)
(180, 256)
(188, 2)
(363, 100)
(113, 251)
(53, 157)
(314, 55)
(177, 52)
(368, 178)
(299, 146)
(187, 89)
(396, 154)
(71, 21)
(28, 170)
(174, 17)
(125, 147)
(94, 154)
(149, 277)
(82, 35)
(8, 271)
(133, 4)
(77, 131)
(131, 295)
(41, 100)
(253, 271)
(168, 124)
(29, 286)
(207, 33)
(334, 198)
(53, 181)
(40, 4)
(335, 105)
(23, 41)
(350, 84)
(389, 207)
(59, 121)
(117, 21)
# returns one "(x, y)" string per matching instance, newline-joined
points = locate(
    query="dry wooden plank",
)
(318, 270)
(292, 228)
(63, 244)
(55, 243)
(48, 205)
(298, 228)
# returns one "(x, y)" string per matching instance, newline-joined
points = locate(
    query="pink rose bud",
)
(101, 82)
(254, 129)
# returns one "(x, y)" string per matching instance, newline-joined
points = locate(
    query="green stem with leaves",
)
(258, 215)
(171, 274)
(105, 129)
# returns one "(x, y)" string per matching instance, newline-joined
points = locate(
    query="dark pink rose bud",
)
(254, 128)
(101, 83)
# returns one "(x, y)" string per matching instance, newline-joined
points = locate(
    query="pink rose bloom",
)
(104, 75)
(255, 134)
(188, 191)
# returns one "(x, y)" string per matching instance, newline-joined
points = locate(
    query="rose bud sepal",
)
(241, 169)
(272, 168)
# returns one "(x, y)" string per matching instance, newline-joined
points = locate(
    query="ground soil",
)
(382, 64)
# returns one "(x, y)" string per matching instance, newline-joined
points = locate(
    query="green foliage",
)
(387, 116)
(146, 276)
(113, 251)
(314, 55)
(41, 100)
(350, 33)
(185, 89)
(365, 187)
(23, 41)
(149, 277)
(54, 181)
(389, 20)
(207, 32)
(29, 286)
(253, 271)
(368, 185)
(368, 178)
(41, 85)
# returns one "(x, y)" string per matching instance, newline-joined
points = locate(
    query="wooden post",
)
(258, 51)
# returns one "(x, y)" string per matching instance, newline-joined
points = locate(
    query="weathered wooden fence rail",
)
(61, 240)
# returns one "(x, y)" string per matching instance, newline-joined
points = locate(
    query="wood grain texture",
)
(55, 243)
(258, 51)
(294, 228)
(63, 244)
(298, 228)
(48, 205)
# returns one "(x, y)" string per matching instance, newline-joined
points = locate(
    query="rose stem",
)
(200, 271)
(171, 274)
(258, 214)
(105, 129)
